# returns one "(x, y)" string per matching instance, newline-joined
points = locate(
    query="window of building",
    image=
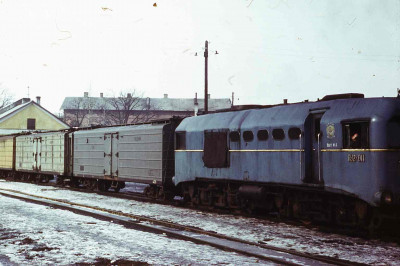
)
(278, 134)
(31, 123)
(180, 140)
(215, 149)
(262, 135)
(294, 133)
(248, 136)
(234, 136)
(356, 135)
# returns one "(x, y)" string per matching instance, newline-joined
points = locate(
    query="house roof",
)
(157, 104)
(14, 108)
(5, 132)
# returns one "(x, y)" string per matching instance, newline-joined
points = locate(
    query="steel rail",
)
(188, 233)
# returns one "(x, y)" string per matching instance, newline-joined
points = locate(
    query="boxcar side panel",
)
(24, 154)
(6, 153)
(140, 154)
(52, 153)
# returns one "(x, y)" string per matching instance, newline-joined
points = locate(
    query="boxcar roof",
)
(293, 114)
(119, 129)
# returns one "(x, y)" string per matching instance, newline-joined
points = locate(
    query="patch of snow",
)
(255, 230)
(34, 234)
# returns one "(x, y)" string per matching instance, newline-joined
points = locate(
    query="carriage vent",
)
(342, 96)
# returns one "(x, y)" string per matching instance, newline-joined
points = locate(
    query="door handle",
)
(319, 157)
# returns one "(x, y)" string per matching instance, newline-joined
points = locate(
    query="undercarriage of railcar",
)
(27, 176)
(91, 183)
(295, 202)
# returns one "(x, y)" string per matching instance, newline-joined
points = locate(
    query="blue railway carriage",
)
(109, 157)
(337, 159)
(40, 156)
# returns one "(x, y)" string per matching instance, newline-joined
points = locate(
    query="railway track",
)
(389, 233)
(173, 230)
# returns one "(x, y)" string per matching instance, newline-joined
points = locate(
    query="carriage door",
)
(312, 148)
(37, 153)
(111, 154)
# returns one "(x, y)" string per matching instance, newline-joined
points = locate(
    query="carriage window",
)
(356, 135)
(248, 136)
(234, 136)
(278, 134)
(393, 132)
(215, 149)
(294, 133)
(181, 140)
(262, 134)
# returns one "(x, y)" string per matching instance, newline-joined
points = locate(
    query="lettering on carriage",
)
(331, 145)
(354, 158)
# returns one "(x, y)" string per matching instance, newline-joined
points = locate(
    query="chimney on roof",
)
(196, 105)
(209, 96)
(101, 95)
(38, 100)
(86, 94)
(148, 103)
(129, 95)
(165, 95)
(284, 101)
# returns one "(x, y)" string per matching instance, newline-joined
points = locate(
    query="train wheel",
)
(46, 179)
(87, 183)
(94, 185)
(103, 185)
(116, 186)
(10, 176)
(296, 208)
(38, 179)
(375, 222)
(74, 182)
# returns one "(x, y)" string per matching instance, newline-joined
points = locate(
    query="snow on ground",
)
(275, 234)
(35, 234)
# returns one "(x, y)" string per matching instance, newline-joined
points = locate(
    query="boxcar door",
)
(312, 148)
(114, 154)
(36, 154)
(107, 154)
(39, 154)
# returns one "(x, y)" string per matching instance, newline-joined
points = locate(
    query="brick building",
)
(87, 111)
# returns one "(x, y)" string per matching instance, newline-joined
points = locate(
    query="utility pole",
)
(206, 79)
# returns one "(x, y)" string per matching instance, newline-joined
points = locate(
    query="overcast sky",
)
(268, 50)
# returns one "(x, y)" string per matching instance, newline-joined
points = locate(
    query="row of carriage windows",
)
(355, 135)
(263, 135)
(248, 136)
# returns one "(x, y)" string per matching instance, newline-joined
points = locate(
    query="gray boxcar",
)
(135, 153)
(42, 153)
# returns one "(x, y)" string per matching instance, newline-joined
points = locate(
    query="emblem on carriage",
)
(330, 131)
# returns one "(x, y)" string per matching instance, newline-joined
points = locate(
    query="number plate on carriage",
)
(354, 158)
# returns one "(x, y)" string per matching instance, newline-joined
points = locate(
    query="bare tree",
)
(80, 109)
(5, 98)
(128, 108)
